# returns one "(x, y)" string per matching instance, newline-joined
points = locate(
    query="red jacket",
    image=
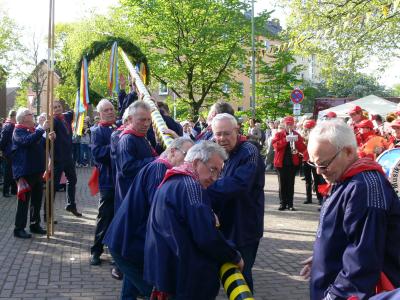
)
(279, 143)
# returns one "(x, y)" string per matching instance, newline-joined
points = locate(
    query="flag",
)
(141, 69)
(84, 87)
(112, 76)
(79, 115)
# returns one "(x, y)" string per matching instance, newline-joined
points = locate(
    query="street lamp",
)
(253, 64)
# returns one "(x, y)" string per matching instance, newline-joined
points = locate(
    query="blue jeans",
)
(249, 253)
(133, 283)
(84, 155)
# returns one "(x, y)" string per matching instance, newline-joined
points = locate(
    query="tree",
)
(276, 83)
(193, 46)
(38, 77)
(349, 84)
(396, 90)
(345, 33)
(9, 44)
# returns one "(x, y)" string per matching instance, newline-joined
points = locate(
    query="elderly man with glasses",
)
(126, 234)
(358, 239)
(238, 195)
(184, 248)
(28, 167)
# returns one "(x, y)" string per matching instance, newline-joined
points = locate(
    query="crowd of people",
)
(172, 215)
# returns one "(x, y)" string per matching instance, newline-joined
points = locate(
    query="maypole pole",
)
(158, 121)
(49, 112)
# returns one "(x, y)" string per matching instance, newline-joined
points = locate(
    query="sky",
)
(33, 16)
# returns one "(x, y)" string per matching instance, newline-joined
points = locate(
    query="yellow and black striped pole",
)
(234, 284)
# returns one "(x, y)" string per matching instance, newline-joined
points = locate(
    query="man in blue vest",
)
(5, 146)
(63, 161)
(238, 195)
(101, 137)
(126, 234)
(184, 248)
(357, 244)
(133, 150)
(28, 167)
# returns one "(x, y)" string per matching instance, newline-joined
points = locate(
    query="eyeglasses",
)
(215, 173)
(326, 166)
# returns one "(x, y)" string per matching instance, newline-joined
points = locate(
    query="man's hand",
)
(170, 132)
(46, 125)
(306, 270)
(240, 265)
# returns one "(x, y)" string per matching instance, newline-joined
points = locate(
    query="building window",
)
(266, 45)
(241, 88)
(163, 89)
(225, 88)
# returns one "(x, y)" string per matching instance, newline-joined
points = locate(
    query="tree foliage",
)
(193, 46)
(73, 38)
(276, 82)
(345, 33)
(9, 44)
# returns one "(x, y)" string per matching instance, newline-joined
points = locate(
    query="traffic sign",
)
(297, 96)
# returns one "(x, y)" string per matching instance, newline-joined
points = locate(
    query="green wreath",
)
(98, 47)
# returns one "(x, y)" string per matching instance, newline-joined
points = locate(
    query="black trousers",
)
(104, 218)
(286, 178)
(68, 167)
(312, 180)
(33, 202)
(9, 182)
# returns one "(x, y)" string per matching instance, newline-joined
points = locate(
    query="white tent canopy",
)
(372, 104)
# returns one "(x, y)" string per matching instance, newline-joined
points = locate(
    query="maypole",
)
(158, 121)
(49, 112)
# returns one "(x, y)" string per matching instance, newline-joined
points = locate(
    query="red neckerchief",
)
(165, 162)
(121, 128)
(61, 118)
(360, 165)
(130, 130)
(106, 124)
(184, 169)
(9, 121)
(30, 129)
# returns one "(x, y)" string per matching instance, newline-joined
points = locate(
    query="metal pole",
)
(253, 64)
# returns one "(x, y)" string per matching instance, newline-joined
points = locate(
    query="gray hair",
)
(132, 109)
(125, 116)
(204, 150)
(21, 113)
(179, 142)
(224, 116)
(336, 132)
(101, 104)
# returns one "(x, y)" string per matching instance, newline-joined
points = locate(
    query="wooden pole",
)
(49, 112)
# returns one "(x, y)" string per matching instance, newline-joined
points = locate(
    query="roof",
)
(372, 104)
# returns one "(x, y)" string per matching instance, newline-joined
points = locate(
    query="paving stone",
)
(58, 268)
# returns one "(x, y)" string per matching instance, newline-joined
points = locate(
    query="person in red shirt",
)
(356, 115)
(289, 148)
(370, 144)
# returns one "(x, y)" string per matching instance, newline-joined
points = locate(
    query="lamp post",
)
(253, 64)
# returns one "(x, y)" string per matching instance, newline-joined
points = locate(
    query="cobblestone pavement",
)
(59, 268)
